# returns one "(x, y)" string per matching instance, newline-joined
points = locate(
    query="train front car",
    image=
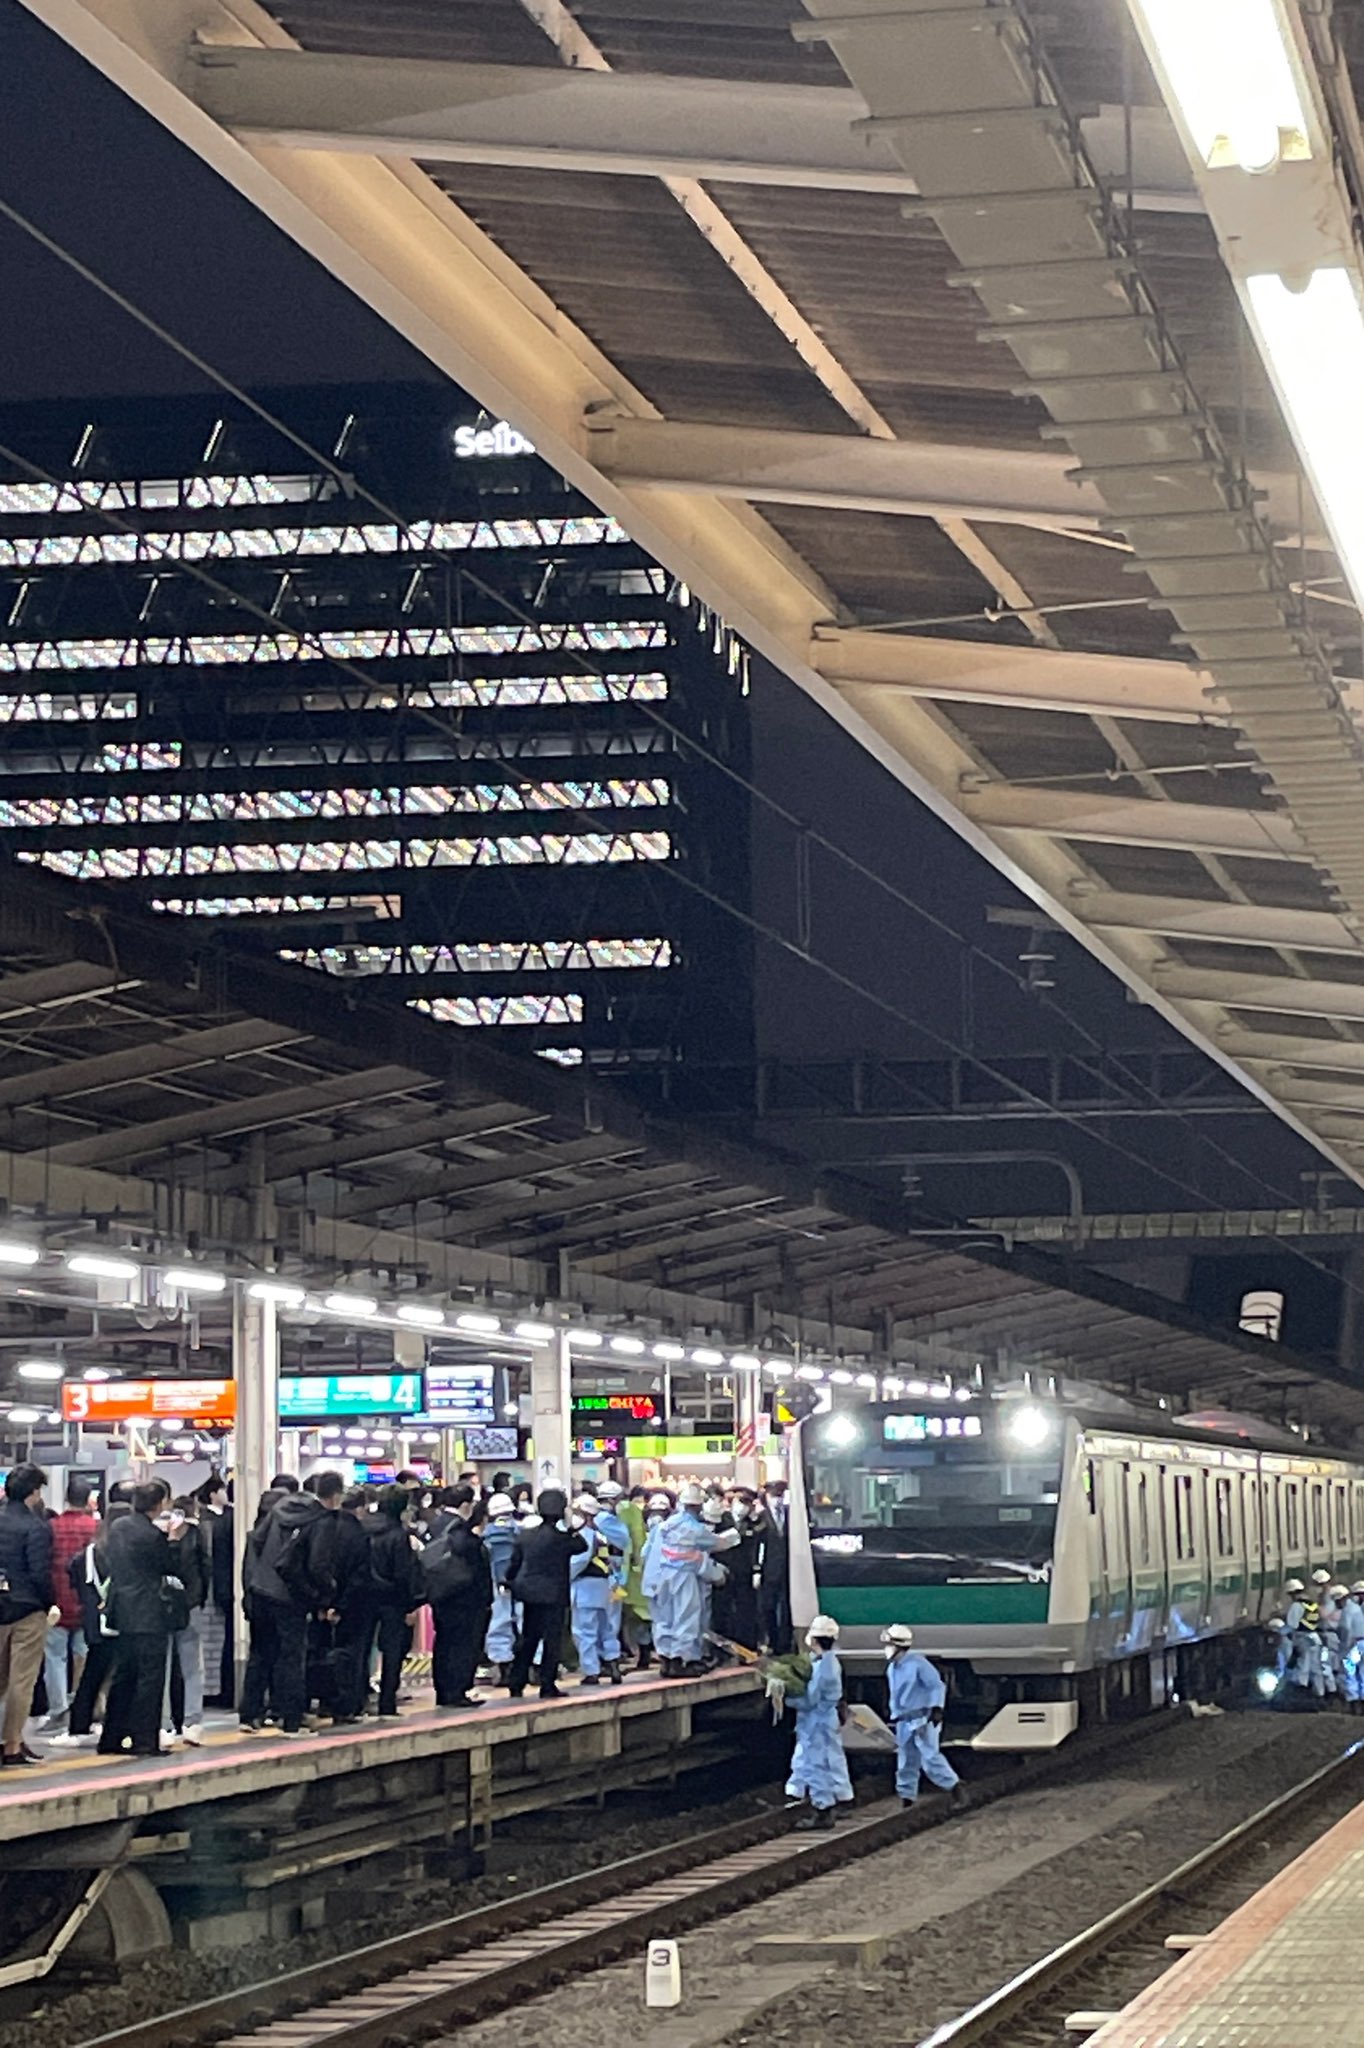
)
(949, 1517)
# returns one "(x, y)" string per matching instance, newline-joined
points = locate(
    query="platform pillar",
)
(551, 1400)
(748, 1400)
(255, 1368)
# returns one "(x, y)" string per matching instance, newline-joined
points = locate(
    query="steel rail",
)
(575, 1924)
(987, 2020)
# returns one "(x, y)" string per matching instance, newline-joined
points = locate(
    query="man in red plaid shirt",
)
(72, 1530)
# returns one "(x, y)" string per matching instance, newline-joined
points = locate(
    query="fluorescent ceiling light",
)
(1226, 69)
(13, 1253)
(97, 1266)
(670, 1353)
(536, 1333)
(193, 1280)
(350, 1305)
(744, 1361)
(840, 1377)
(25, 1414)
(183, 1443)
(96, 1372)
(417, 1312)
(587, 1340)
(1312, 342)
(481, 1326)
(356, 1435)
(278, 1291)
(866, 1379)
(632, 1347)
(40, 1369)
(703, 1356)
(809, 1372)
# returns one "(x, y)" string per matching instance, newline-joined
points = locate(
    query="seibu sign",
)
(478, 443)
(108, 1401)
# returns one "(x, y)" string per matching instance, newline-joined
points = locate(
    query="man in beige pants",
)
(25, 1601)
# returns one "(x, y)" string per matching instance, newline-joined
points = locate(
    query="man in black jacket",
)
(537, 1574)
(140, 1562)
(26, 1571)
(347, 1668)
(774, 1590)
(292, 1577)
(459, 1584)
(216, 1516)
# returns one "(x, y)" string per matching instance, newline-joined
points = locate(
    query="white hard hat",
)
(898, 1636)
(1337, 1591)
(586, 1504)
(1320, 1577)
(1358, 1586)
(693, 1495)
(500, 1504)
(608, 1490)
(659, 1504)
(1294, 1586)
(823, 1629)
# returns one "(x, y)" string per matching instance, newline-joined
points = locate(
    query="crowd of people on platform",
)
(124, 1624)
(1319, 1642)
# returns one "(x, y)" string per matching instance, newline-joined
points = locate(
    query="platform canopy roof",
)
(179, 1093)
(912, 336)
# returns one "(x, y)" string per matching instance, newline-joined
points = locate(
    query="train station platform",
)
(1277, 1970)
(250, 1833)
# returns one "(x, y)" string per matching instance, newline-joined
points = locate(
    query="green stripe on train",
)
(983, 1605)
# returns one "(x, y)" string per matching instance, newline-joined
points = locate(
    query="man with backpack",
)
(458, 1582)
(291, 1577)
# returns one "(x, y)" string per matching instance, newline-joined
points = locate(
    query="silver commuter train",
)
(1057, 1561)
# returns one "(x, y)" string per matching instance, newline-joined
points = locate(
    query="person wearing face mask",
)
(735, 1604)
(686, 1545)
(499, 1535)
(917, 1698)
(618, 1537)
(819, 1768)
(591, 1585)
(636, 1624)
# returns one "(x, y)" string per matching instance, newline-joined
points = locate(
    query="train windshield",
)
(946, 1507)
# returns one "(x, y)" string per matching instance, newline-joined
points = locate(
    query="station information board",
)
(459, 1395)
(110, 1401)
(313, 1397)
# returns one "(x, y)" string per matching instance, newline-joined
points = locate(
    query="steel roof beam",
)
(225, 1119)
(1233, 924)
(1025, 678)
(510, 1167)
(1323, 1055)
(604, 1192)
(635, 124)
(1135, 821)
(366, 1146)
(166, 1056)
(47, 986)
(1285, 994)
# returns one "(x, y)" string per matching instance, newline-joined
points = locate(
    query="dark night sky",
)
(104, 180)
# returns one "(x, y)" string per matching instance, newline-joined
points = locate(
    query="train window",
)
(1318, 1516)
(1185, 1545)
(1251, 1497)
(1143, 1522)
(1342, 1520)
(1226, 1542)
(1292, 1533)
(1359, 1514)
(1092, 1486)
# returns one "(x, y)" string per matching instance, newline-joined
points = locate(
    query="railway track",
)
(412, 1985)
(1103, 1968)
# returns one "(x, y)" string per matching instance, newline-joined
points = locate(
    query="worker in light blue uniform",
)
(917, 1698)
(1346, 1622)
(620, 1545)
(589, 1574)
(677, 1575)
(499, 1540)
(819, 1768)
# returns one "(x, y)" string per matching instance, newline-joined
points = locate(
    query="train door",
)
(1204, 1527)
(1127, 1481)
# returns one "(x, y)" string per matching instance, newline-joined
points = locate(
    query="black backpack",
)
(445, 1570)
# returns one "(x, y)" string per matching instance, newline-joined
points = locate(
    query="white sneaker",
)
(169, 1741)
(193, 1734)
(69, 1741)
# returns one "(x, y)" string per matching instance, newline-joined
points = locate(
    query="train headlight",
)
(1268, 1683)
(1029, 1428)
(841, 1431)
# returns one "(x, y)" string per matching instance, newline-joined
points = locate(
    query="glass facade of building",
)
(434, 720)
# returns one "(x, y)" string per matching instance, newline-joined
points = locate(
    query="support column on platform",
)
(748, 1400)
(551, 1400)
(255, 1368)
